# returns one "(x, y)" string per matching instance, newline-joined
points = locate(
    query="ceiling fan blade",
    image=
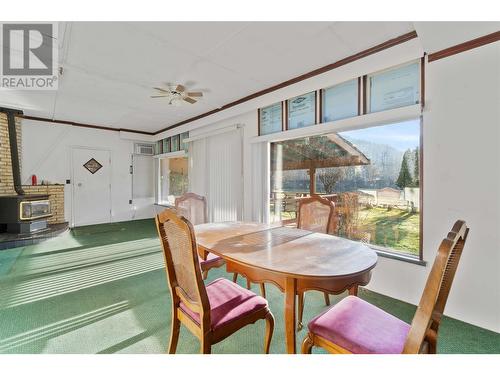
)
(196, 94)
(159, 96)
(180, 88)
(189, 100)
(160, 89)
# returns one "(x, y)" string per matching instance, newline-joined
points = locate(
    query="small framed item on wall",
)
(174, 143)
(301, 111)
(271, 119)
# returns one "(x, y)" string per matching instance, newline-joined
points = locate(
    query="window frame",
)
(171, 155)
(322, 98)
(367, 86)
(356, 123)
(287, 112)
(259, 118)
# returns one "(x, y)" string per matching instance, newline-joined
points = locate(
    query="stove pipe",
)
(14, 153)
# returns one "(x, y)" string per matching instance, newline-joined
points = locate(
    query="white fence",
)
(409, 198)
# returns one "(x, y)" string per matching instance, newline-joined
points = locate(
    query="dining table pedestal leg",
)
(290, 293)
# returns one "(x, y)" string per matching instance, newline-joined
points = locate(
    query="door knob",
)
(79, 184)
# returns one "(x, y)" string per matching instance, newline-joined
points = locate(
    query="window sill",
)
(164, 205)
(401, 257)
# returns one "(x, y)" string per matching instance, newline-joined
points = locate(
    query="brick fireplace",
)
(32, 206)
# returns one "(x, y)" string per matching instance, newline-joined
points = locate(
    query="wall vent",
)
(144, 149)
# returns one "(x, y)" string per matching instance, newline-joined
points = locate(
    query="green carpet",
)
(102, 289)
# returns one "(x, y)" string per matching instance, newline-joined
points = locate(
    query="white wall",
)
(461, 175)
(47, 154)
(461, 179)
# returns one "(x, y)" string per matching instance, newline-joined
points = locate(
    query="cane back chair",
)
(211, 312)
(355, 326)
(315, 214)
(194, 208)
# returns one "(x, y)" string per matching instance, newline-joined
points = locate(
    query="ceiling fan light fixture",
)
(177, 94)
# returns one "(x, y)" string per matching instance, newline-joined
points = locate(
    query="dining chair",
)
(212, 312)
(194, 208)
(315, 214)
(356, 326)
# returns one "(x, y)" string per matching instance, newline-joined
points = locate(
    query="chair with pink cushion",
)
(211, 312)
(355, 326)
(194, 208)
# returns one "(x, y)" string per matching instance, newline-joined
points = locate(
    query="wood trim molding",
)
(258, 121)
(462, 47)
(359, 96)
(422, 81)
(72, 123)
(365, 80)
(286, 115)
(283, 115)
(317, 107)
(370, 51)
(421, 192)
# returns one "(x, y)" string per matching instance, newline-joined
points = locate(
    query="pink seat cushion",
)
(228, 302)
(360, 327)
(210, 261)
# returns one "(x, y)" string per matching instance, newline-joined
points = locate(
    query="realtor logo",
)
(29, 56)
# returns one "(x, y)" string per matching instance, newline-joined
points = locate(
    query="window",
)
(174, 143)
(173, 179)
(371, 174)
(340, 101)
(183, 136)
(393, 88)
(301, 111)
(166, 145)
(271, 119)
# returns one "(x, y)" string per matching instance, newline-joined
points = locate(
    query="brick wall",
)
(6, 179)
(55, 192)
(56, 198)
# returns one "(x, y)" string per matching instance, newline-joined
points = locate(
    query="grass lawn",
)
(394, 228)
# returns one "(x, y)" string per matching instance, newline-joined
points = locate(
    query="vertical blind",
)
(216, 172)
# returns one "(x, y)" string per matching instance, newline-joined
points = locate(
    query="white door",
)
(143, 186)
(91, 186)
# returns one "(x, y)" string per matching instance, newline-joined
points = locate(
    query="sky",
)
(402, 135)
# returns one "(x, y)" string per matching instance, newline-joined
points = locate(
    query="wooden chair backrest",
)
(315, 214)
(193, 207)
(183, 267)
(437, 288)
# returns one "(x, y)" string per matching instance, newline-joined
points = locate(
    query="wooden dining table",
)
(294, 260)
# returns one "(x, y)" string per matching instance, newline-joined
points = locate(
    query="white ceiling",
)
(111, 67)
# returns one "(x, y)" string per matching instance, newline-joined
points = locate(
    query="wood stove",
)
(21, 213)
(24, 213)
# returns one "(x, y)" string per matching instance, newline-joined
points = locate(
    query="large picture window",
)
(372, 175)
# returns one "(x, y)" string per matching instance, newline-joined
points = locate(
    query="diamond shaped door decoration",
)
(92, 166)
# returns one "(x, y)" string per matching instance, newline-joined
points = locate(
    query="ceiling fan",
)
(175, 94)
